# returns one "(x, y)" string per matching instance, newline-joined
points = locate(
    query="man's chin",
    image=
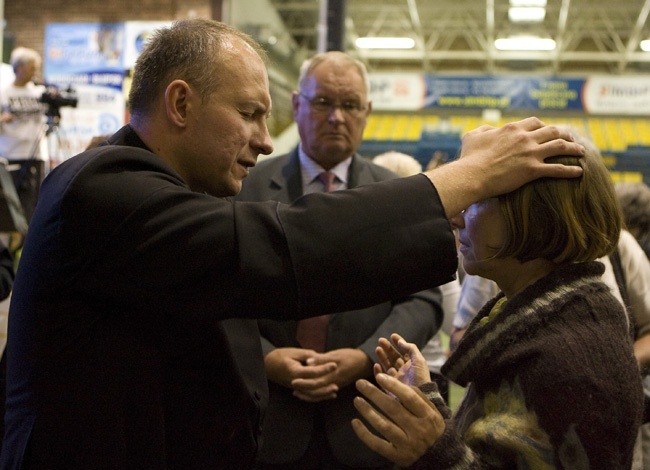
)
(232, 188)
(337, 151)
(235, 188)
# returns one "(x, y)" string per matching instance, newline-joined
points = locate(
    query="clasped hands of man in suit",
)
(315, 376)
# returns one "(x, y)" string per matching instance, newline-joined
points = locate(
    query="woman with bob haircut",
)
(551, 378)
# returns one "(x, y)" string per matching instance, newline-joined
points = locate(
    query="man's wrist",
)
(458, 186)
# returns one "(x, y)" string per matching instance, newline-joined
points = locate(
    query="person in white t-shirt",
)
(23, 114)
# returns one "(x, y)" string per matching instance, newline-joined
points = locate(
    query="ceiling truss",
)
(457, 36)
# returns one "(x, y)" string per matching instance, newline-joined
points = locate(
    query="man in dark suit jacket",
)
(131, 340)
(310, 427)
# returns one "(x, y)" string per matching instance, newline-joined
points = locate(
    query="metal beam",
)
(635, 35)
(561, 31)
(417, 28)
(489, 33)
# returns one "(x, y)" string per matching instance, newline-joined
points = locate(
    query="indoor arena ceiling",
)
(592, 36)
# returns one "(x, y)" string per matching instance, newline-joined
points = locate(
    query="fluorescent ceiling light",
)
(645, 45)
(526, 14)
(385, 43)
(528, 3)
(524, 43)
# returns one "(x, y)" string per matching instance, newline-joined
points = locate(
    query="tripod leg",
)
(37, 146)
(54, 148)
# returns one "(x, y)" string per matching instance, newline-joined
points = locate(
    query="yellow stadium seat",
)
(597, 133)
(627, 177)
(614, 135)
(629, 132)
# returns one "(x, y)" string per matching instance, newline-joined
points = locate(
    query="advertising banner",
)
(392, 91)
(613, 95)
(617, 95)
(136, 34)
(88, 62)
(85, 62)
(505, 93)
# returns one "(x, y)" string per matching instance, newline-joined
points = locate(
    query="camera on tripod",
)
(55, 99)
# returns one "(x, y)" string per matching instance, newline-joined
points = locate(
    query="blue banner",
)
(504, 93)
(84, 54)
(86, 59)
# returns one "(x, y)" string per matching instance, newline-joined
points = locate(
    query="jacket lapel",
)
(287, 179)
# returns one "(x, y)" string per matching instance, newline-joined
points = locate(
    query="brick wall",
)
(26, 19)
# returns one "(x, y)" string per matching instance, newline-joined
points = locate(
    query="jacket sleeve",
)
(195, 253)
(369, 248)
(449, 451)
(417, 318)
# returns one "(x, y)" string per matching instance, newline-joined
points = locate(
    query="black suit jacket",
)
(289, 421)
(124, 345)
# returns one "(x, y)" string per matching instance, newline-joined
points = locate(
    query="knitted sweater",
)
(551, 382)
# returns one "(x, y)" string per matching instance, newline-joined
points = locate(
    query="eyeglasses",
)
(321, 105)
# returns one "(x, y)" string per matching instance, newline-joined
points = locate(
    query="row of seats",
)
(609, 134)
(624, 142)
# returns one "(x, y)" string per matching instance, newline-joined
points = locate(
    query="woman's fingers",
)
(410, 398)
(408, 425)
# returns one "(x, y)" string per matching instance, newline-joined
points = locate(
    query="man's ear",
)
(178, 96)
(295, 102)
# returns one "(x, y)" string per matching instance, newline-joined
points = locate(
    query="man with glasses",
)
(307, 424)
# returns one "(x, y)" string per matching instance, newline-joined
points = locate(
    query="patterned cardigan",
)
(551, 382)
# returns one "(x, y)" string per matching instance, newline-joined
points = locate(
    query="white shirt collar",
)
(310, 170)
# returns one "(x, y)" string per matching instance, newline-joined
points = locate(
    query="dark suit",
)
(290, 423)
(124, 350)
